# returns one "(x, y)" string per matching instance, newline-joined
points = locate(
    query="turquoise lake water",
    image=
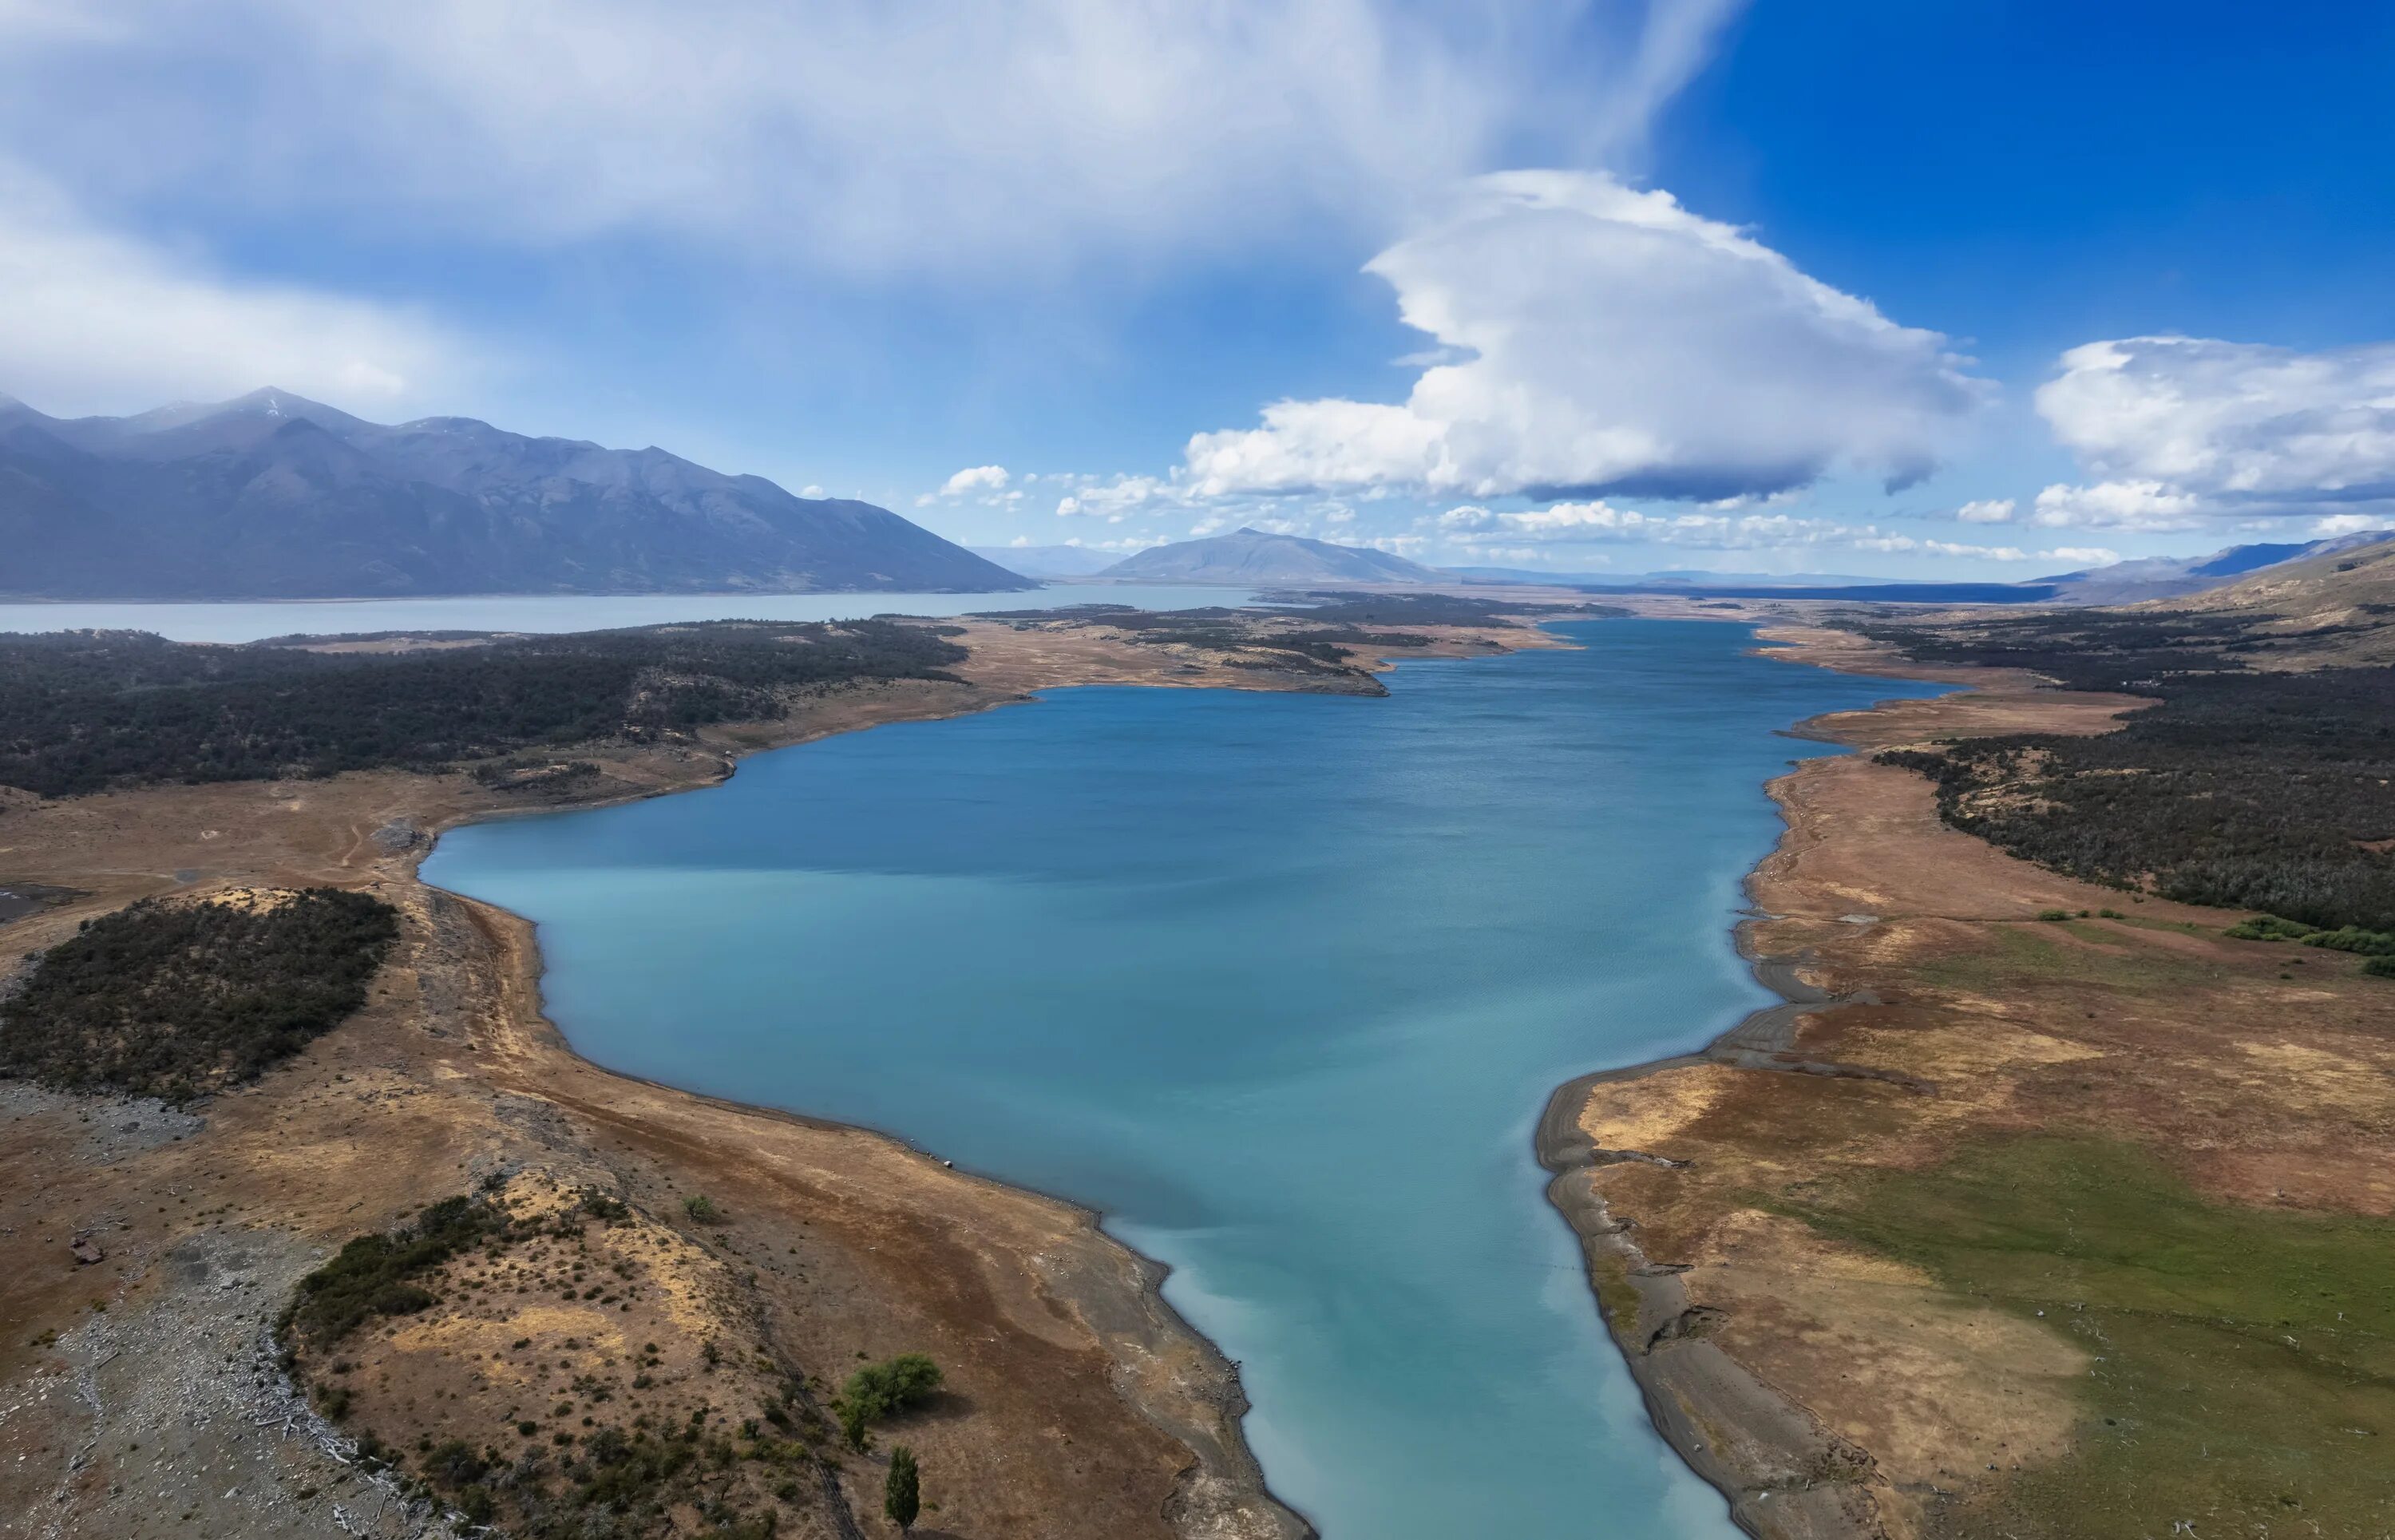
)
(1278, 983)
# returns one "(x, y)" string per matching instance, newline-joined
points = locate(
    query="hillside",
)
(2337, 606)
(1250, 557)
(273, 496)
(2147, 578)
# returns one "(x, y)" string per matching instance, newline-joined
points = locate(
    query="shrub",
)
(2242, 788)
(2352, 939)
(2268, 927)
(879, 1390)
(370, 1275)
(85, 711)
(177, 999)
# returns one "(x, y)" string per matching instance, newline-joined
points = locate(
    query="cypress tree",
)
(902, 1496)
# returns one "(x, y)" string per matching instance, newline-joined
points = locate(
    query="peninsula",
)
(583, 1262)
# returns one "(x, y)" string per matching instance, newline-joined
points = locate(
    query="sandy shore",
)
(1941, 1002)
(1786, 1473)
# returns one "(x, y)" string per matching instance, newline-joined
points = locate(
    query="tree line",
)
(85, 710)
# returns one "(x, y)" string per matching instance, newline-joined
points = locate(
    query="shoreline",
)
(1761, 1444)
(1681, 1405)
(521, 951)
(1223, 1460)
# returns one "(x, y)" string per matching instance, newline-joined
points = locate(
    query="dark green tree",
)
(902, 1495)
(878, 1390)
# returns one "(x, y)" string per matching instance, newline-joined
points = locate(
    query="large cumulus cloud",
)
(1609, 340)
(2180, 429)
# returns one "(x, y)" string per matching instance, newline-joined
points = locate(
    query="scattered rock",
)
(398, 835)
(86, 1251)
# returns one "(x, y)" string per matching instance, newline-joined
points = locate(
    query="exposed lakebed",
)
(1279, 983)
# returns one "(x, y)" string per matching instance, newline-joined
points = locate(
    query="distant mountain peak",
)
(1249, 556)
(272, 495)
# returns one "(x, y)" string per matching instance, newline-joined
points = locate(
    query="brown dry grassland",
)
(2031, 1228)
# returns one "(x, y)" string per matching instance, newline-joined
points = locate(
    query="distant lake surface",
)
(1279, 983)
(253, 621)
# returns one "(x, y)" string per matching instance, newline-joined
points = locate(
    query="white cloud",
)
(2334, 525)
(1615, 342)
(1596, 523)
(1489, 533)
(2179, 429)
(94, 321)
(1997, 511)
(1117, 500)
(2145, 504)
(979, 478)
(946, 135)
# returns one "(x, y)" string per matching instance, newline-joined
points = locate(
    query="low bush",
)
(2353, 939)
(83, 710)
(176, 999)
(372, 1275)
(2268, 927)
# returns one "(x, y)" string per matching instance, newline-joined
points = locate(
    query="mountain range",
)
(1250, 557)
(2129, 582)
(2168, 577)
(276, 496)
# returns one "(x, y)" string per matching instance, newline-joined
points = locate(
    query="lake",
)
(1279, 983)
(257, 619)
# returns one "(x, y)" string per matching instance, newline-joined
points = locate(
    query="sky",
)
(1963, 290)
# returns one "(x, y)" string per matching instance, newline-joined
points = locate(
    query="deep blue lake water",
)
(1279, 983)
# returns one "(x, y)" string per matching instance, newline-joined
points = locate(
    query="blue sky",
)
(1926, 290)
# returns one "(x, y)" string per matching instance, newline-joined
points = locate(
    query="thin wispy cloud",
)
(97, 321)
(952, 138)
(1473, 527)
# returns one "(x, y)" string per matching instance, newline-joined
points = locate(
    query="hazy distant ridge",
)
(1251, 557)
(273, 496)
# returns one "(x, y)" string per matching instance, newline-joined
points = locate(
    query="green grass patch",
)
(2020, 954)
(2242, 1359)
(1616, 1296)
